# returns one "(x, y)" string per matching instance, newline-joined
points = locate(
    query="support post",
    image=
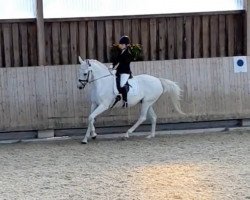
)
(247, 23)
(40, 32)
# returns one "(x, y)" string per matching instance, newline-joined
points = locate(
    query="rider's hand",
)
(111, 66)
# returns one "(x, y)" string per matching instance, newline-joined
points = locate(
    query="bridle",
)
(85, 82)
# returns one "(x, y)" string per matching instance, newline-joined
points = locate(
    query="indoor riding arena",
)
(204, 154)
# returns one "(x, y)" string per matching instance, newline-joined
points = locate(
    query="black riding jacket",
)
(124, 60)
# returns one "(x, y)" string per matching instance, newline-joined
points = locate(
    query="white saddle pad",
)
(134, 87)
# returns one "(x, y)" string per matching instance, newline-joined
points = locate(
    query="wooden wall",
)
(46, 97)
(18, 44)
(164, 37)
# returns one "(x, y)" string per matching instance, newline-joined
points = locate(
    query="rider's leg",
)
(124, 88)
(118, 80)
(119, 96)
(124, 79)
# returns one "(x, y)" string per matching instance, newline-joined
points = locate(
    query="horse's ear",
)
(80, 59)
(87, 61)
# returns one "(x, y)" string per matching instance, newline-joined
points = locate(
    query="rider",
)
(122, 65)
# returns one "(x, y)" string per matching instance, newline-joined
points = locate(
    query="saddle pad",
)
(134, 87)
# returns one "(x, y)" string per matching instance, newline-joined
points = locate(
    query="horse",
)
(103, 93)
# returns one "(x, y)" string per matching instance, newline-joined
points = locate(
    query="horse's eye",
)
(85, 74)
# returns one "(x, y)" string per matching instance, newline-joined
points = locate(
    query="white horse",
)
(103, 94)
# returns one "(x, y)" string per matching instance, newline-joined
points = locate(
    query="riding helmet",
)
(124, 40)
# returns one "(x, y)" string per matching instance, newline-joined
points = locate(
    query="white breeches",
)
(124, 79)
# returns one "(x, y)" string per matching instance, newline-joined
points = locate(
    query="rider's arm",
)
(115, 66)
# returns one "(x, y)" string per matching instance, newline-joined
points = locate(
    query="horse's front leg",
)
(92, 132)
(100, 109)
(93, 107)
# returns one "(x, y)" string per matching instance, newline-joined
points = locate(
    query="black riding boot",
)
(119, 96)
(124, 91)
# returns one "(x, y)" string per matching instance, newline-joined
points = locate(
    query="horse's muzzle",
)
(81, 85)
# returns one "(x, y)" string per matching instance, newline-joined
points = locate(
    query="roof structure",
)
(18, 9)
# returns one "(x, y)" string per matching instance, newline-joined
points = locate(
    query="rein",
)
(84, 82)
(100, 78)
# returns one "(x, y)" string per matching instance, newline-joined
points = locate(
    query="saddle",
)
(124, 91)
(126, 86)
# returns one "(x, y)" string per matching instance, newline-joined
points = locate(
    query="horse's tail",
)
(175, 93)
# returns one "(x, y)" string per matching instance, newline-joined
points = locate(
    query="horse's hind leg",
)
(152, 116)
(142, 118)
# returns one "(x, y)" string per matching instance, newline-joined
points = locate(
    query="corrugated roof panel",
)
(87, 8)
(17, 9)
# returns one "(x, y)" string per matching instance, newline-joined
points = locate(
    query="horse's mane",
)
(99, 64)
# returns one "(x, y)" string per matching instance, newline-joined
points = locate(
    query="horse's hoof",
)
(150, 136)
(93, 135)
(125, 137)
(84, 142)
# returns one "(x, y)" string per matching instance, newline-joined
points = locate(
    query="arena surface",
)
(193, 166)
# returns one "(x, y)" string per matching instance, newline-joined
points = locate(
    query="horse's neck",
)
(99, 71)
(99, 74)
(100, 77)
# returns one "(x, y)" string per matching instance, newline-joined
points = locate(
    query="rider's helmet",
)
(124, 40)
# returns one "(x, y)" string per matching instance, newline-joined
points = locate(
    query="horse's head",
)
(90, 71)
(84, 73)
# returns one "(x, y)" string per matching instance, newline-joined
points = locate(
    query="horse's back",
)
(149, 85)
(148, 80)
